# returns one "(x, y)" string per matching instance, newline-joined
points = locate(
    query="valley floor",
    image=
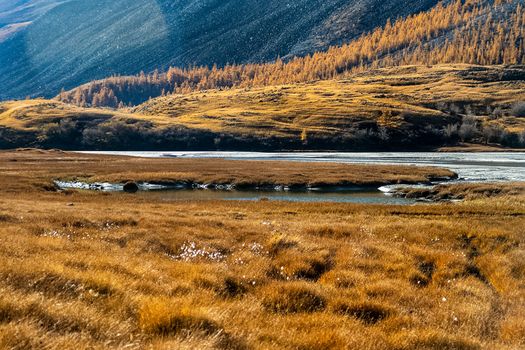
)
(91, 270)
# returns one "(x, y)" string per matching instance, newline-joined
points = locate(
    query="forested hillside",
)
(473, 31)
(78, 41)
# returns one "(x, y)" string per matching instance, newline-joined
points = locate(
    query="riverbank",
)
(43, 167)
(478, 148)
(458, 191)
(95, 270)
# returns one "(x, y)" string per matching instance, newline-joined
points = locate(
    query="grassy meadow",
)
(91, 270)
(411, 107)
(396, 98)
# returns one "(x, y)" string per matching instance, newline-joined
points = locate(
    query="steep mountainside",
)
(78, 41)
(16, 15)
(483, 32)
(16, 11)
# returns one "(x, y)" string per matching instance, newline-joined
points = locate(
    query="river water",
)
(474, 167)
(471, 167)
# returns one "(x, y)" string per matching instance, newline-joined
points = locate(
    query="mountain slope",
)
(475, 32)
(17, 15)
(16, 11)
(78, 41)
(404, 108)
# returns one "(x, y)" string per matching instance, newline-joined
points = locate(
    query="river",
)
(471, 167)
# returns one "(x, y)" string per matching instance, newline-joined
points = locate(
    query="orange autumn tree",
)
(463, 31)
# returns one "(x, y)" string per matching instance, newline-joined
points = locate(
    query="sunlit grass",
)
(91, 270)
(395, 98)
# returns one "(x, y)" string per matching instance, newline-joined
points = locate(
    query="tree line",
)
(461, 31)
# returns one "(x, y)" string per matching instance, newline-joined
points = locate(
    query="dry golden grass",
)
(464, 191)
(382, 95)
(470, 147)
(30, 115)
(88, 270)
(393, 97)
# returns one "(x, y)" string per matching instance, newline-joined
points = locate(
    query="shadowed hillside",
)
(18, 15)
(17, 11)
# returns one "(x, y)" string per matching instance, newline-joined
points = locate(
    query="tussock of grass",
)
(513, 328)
(429, 340)
(55, 285)
(7, 218)
(233, 287)
(332, 231)
(9, 311)
(278, 243)
(305, 265)
(366, 312)
(165, 318)
(343, 279)
(423, 276)
(293, 297)
(419, 280)
(159, 317)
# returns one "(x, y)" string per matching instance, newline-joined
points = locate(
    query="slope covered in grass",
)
(412, 107)
(397, 99)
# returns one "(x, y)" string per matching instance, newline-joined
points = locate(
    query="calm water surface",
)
(364, 196)
(471, 167)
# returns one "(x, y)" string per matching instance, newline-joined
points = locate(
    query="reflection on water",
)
(363, 197)
(181, 193)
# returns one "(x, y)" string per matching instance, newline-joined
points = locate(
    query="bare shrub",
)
(468, 129)
(518, 110)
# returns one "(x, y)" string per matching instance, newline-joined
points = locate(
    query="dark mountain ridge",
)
(16, 11)
(67, 43)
